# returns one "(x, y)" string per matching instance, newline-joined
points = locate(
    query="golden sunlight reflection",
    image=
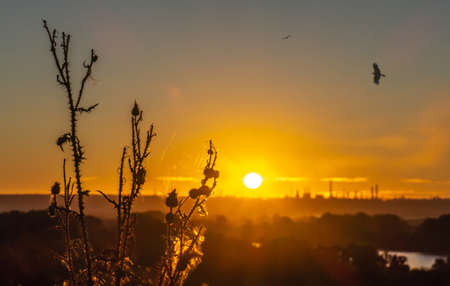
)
(256, 244)
(253, 180)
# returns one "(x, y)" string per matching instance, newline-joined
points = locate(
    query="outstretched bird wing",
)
(376, 69)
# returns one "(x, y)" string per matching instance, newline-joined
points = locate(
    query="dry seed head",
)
(194, 193)
(208, 172)
(55, 188)
(135, 111)
(172, 200)
(204, 190)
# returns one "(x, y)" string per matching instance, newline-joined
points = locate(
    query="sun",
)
(253, 180)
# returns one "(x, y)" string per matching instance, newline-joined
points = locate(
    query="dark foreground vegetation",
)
(330, 250)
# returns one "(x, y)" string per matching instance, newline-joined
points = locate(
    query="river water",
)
(416, 259)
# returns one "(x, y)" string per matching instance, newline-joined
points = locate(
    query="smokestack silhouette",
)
(330, 189)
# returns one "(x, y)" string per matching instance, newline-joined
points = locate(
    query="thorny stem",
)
(67, 223)
(133, 188)
(135, 166)
(118, 206)
(77, 162)
(119, 202)
(63, 78)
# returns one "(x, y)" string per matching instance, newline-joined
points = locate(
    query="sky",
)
(300, 112)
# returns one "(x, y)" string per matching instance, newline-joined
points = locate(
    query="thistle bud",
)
(135, 111)
(55, 188)
(141, 176)
(194, 193)
(204, 190)
(208, 172)
(216, 174)
(172, 200)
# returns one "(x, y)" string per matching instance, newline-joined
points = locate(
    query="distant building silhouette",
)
(306, 194)
(330, 189)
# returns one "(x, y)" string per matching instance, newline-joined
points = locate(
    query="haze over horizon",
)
(300, 111)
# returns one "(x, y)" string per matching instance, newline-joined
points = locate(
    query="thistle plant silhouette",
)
(71, 137)
(184, 236)
(140, 151)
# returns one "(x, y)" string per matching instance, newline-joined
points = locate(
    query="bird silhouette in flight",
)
(286, 37)
(377, 74)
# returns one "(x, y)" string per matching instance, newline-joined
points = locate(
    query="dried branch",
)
(113, 202)
(89, 109)
(63, 79)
